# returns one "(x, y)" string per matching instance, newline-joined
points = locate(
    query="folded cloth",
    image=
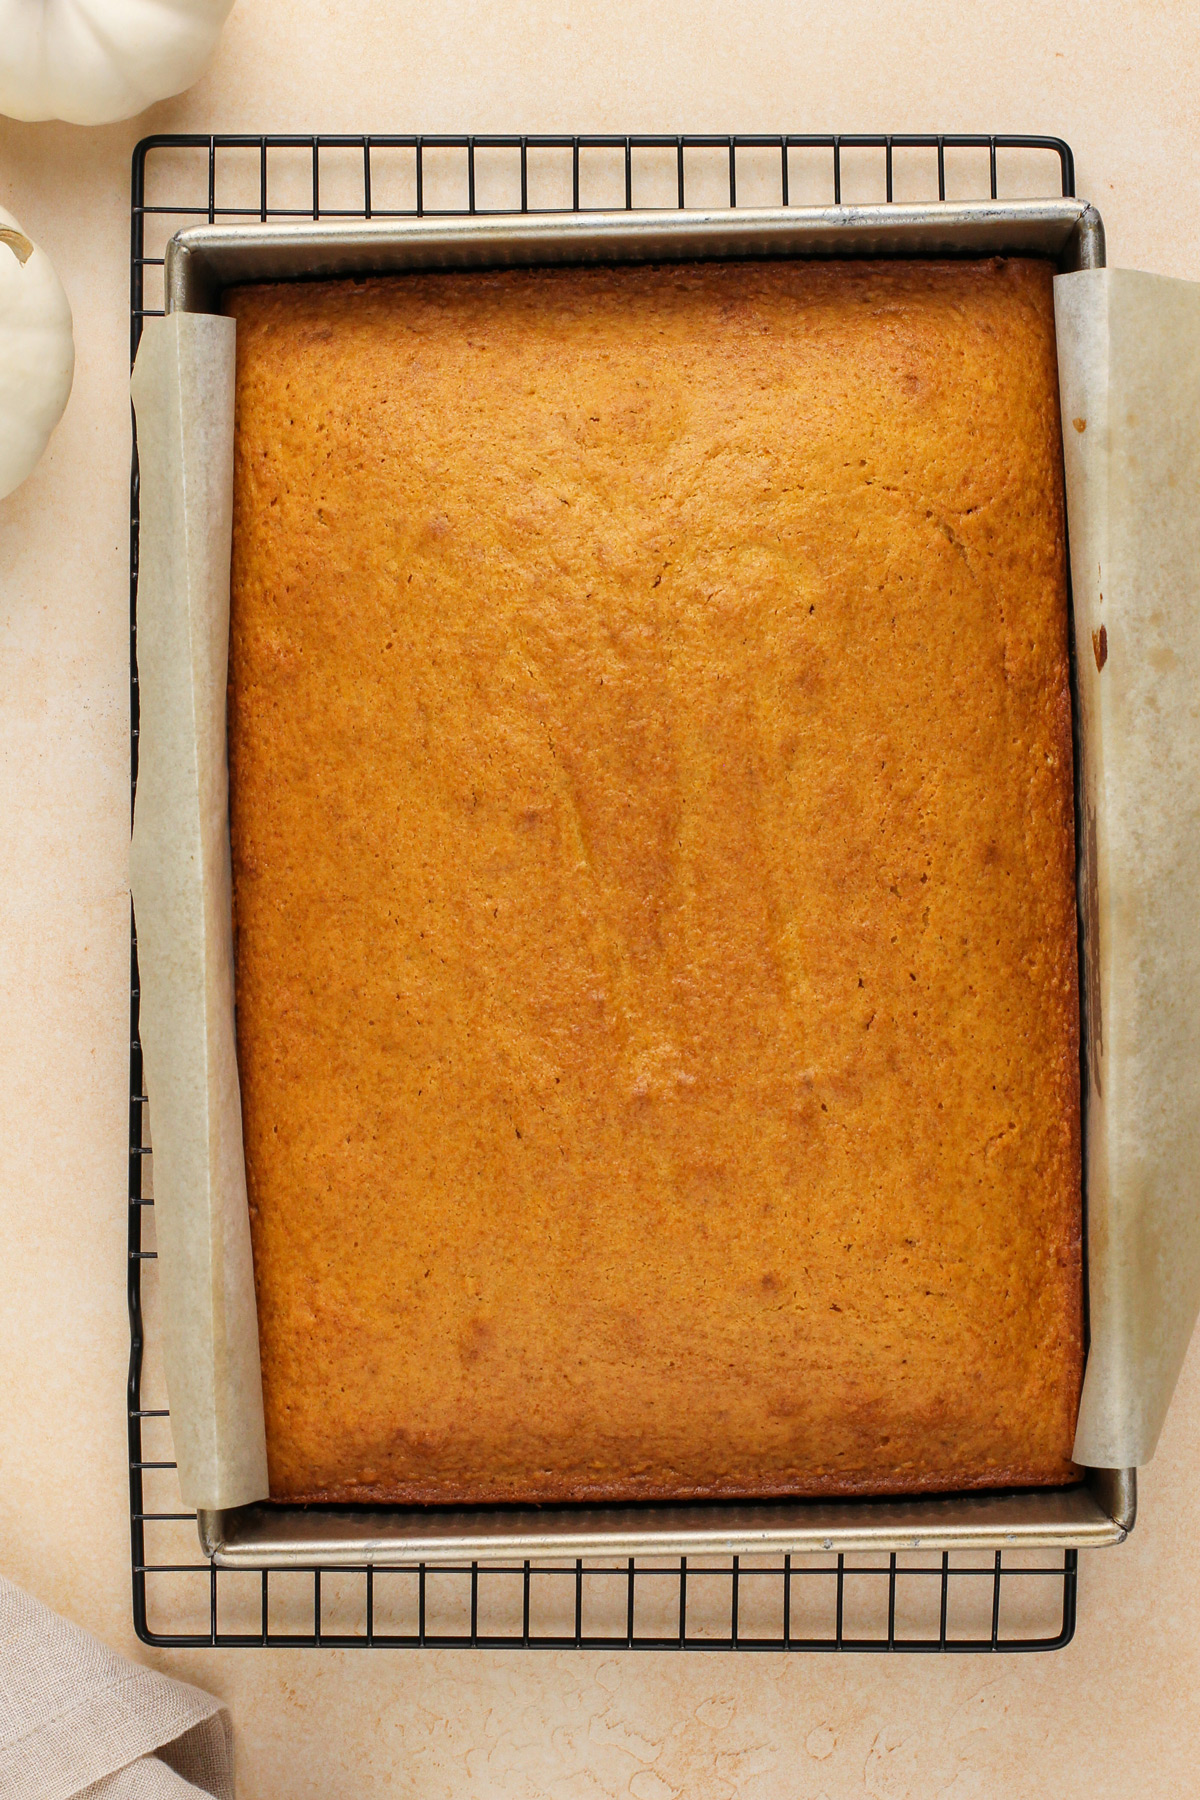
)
(79, 1722)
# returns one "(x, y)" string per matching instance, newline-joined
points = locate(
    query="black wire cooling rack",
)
(955, 1602)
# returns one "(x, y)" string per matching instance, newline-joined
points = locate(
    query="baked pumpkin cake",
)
(652, 828)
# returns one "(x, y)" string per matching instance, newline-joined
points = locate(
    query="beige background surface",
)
(1113, 1715)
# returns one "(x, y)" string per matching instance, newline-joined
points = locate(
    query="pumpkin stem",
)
(17, 242)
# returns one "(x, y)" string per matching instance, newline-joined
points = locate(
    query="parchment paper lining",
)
(1129, 363)
(1129, 372)
(180, 874)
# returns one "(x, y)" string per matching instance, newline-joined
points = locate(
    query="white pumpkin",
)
(93, 61)
(37, 352)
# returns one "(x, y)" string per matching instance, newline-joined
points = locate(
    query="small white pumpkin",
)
(37, 352)
(93, 61)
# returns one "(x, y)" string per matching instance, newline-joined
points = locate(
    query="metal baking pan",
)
(203, 260)
(1099, 1511)
(200, 263)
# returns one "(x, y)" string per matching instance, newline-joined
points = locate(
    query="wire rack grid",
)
(948, 1603)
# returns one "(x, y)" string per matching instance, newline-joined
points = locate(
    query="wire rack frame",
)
(948, 1604)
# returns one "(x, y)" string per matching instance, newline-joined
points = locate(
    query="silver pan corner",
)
(200, 263)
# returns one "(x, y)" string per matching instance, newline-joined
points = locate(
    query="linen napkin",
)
(79, 1722)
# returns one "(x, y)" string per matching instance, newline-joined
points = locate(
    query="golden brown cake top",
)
(652, 826)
